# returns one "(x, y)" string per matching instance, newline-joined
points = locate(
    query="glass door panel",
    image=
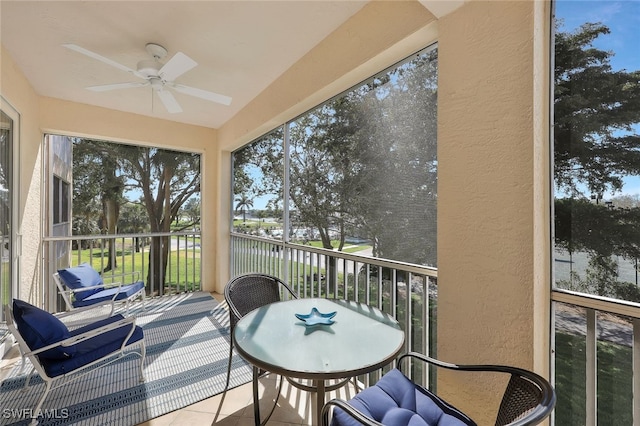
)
(6, 225)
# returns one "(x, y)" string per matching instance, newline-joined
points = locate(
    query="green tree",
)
(133, 220)
(191, 210)
(397, 153)
(167, 179)
(243, 203)
(596, 144)
(364, 163)
(96, 172)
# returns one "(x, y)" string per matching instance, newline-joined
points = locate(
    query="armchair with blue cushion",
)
(395, 400)
(57, 353)
(83, 287)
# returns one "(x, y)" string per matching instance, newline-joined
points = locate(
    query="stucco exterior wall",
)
(493, 204)
(16, 90)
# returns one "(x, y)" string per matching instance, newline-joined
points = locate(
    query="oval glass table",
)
(356, 340)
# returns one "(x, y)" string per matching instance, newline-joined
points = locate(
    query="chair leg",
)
(26, 382)
(143, 354)
(226, 386)
(39, 406)
(256, 400)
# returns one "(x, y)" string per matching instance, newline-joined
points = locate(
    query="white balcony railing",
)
(596, 359)
(131, 252)
(406, 291)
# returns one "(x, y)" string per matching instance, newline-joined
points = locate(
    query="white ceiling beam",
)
(440, 8)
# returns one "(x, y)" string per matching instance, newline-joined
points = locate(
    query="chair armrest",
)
(81, 289)
(89, 334)
(349, 409)
(135, 276)
(519, 377)
(112, 285)
(539, 380)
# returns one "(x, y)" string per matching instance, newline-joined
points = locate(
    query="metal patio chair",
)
(82, 287)
(243, 294)
(57, 353)
(396, 400)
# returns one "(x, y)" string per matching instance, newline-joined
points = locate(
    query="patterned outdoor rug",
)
(187, 339)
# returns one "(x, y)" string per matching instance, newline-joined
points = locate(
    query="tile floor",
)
(295, 407)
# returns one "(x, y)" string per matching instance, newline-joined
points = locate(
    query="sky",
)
(623, 19)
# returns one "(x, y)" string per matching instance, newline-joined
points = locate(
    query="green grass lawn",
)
(348, 248)
(183, 269)
(614, 382)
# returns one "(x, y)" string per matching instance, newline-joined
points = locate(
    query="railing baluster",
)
(408, 314)
(133, 256)
(636, 371)
(592, 368)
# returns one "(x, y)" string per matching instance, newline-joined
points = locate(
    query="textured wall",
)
(493, 170)
(16, 90)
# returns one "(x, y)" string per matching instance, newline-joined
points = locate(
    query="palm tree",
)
(243, 204)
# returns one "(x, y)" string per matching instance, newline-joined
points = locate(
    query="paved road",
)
(610, 328)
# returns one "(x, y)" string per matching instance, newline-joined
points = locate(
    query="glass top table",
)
(360, 340)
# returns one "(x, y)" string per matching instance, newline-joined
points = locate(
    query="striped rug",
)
(187, 339)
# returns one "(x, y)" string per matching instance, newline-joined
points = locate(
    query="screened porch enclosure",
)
(458, 235)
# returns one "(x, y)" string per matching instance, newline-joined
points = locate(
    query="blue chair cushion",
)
(81, 276)
(93, 349)
(39, 328)
(396, 401)
(107, 294)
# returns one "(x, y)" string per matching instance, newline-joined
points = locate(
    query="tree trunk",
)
(110, 209)
(157, 270)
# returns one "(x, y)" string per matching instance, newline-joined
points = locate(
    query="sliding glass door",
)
(8, 265)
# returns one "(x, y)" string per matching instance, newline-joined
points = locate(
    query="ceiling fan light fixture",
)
(156, 83)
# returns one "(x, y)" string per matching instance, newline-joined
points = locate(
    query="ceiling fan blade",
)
(116, 86)
(169, 101)
(177, 65)
(102, 59)
(202, 94)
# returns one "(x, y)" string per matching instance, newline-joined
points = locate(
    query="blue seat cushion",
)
(39, 328)
(396, 401)
(79, 277)
(107, 294)
(94, 348)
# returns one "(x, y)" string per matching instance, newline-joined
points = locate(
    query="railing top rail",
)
(109, 236)
(409, 267)
(599, 303)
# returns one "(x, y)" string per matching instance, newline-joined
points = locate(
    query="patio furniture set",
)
(326, 339)
(316, 344)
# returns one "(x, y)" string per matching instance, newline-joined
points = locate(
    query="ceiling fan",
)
(157, 75)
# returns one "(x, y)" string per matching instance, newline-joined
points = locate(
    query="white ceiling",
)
(240, 47)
